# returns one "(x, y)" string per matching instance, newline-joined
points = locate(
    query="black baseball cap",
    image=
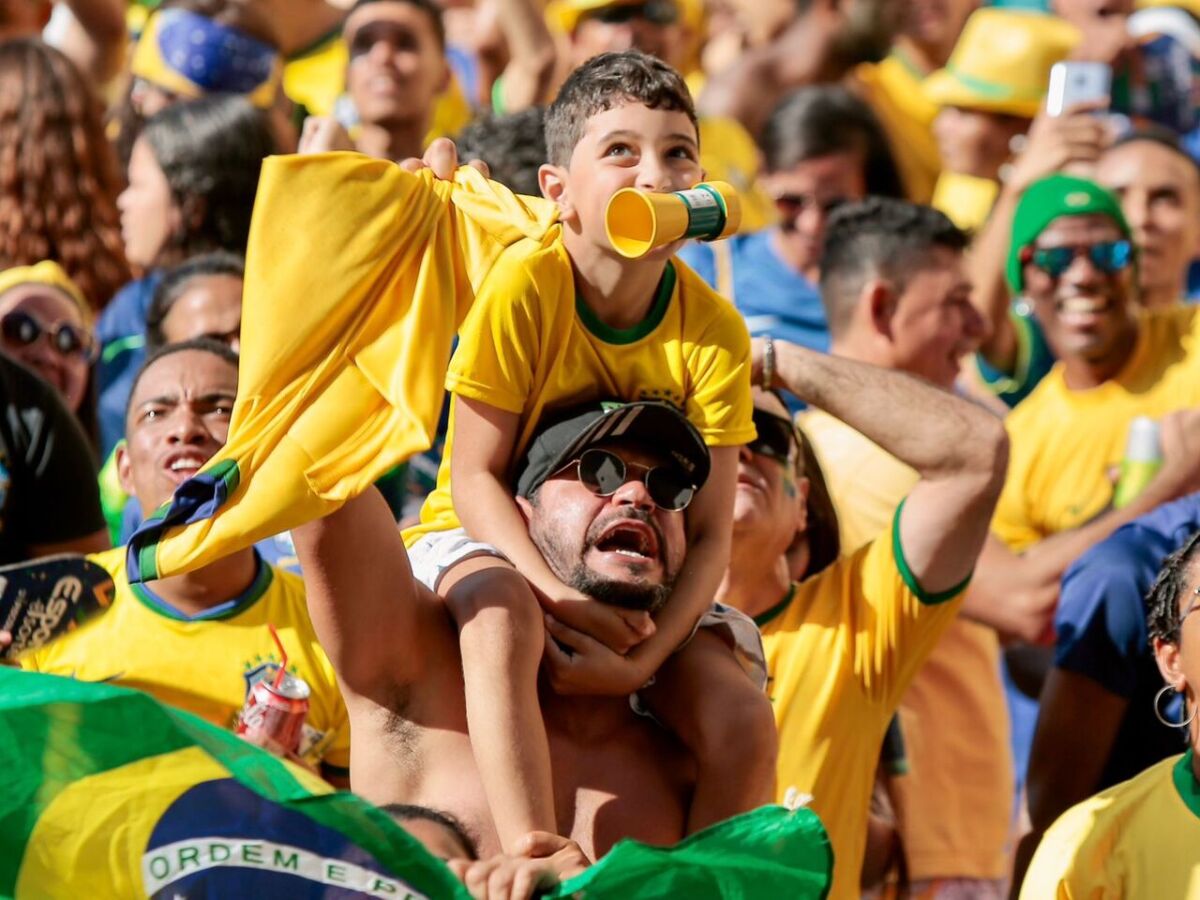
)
(659, 426)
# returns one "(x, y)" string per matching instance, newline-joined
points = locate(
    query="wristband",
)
(768, 366)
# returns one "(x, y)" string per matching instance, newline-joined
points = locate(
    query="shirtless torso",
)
(396, 650)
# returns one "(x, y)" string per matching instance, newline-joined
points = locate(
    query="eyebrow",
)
(169, 399)
(625, 133)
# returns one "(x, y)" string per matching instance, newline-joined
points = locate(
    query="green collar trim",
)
(1185, 782)
(991, 89)
(263, 577)
(907, 573)
(773, 613)
(610, 335)
(906, 62)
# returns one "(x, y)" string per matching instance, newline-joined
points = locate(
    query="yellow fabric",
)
(49, 273)
(1137, 839)
(966, 199)
(1001, 62)
(728, 153)
(121, 809)
(1065, 443)
(205, 666)
(345, 336)
(893, 90)
(840, 655)
(525, 349)
(953, 714)
(316, 79)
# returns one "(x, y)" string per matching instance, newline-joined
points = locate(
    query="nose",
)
(187, 427)
(810, 221)
(1082, 272)
(1137, 212)
(745, 454)
(633, 493)
(653, 174)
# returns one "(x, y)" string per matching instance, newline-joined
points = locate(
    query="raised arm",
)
(362, 597)
(531, 54)
(959, 450)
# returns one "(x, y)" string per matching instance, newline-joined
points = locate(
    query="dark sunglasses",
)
(21, 329)
(603, 472)
(656, 12)
(776, 436)
(791, 205)
(1108, 257)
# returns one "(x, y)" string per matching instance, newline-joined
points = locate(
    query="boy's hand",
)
(323, 134)
(589, 667)
(619, 630)
(541, 861)
(441, 157)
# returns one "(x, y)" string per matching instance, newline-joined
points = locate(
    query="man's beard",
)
(633, 594)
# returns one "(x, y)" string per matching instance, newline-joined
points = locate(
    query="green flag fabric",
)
(108, 793)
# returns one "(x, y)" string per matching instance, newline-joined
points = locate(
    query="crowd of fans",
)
(836, 511)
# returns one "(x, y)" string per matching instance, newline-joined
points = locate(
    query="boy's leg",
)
(501, 636)
(705, 697)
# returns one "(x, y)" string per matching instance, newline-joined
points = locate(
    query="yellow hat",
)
(1191, 6)
(565, 15)
(1002, 62)
(48, 273)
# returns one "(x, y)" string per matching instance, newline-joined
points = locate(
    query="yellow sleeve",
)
(500, 341)
(720, 403)
(1064, 867)
(888, 622)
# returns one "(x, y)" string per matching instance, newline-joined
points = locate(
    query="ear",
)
(124, 469)
(878, 301)
(1170, 663)
(552, 180)
(525, 507)
(802, 489)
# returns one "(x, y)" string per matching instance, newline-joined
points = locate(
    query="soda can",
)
(274, 714)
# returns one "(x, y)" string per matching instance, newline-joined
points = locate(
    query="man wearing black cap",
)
(600, 489)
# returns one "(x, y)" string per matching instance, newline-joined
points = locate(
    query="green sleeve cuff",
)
(907, 573)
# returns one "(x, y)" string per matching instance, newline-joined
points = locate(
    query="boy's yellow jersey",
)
(530, 346)
(841, 649)
(1066, 444)
(1140, 838)
(206, 664)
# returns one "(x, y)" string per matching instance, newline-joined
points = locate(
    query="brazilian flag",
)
(104, 792)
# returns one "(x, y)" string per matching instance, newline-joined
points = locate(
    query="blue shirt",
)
(773, 297)
(121, 331)
(1102, 634)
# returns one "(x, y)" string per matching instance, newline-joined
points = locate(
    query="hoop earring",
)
(1158, 714)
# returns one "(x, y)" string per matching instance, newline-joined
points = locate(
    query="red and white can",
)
(274, 714)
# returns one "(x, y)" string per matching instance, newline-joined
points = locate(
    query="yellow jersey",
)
(531, 346)
(1140, 838)
(1065, 443)
(207, 663)
(953, 714)
(841, 649)
(345, 342)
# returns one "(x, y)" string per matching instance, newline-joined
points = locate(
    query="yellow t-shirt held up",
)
(206, 664)
(530, 346)
(357, 276)
(1140, 838)
(1064, 443)
(841, 649)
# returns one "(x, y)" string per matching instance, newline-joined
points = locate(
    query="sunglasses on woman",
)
(20, 329)
(775, 436)
(1108, 257)
(603, 472)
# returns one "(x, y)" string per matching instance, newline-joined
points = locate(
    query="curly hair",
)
(58, 175)
(1172, 584)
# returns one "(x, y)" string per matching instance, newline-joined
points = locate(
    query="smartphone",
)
(1073, 83)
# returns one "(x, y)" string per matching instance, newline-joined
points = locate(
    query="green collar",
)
(263, 577)
(1185, 782)
(610, 335)
(763, 618)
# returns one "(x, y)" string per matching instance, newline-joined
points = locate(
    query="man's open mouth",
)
(629, 537)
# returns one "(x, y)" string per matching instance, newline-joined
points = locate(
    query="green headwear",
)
(1051, 198)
